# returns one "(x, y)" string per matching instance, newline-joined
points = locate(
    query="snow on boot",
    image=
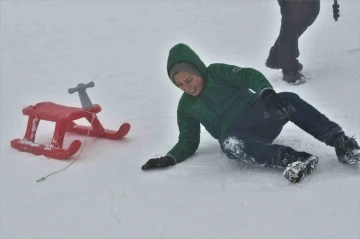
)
(347, 150)
(299, 165)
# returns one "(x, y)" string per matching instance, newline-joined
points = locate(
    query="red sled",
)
(64, 117)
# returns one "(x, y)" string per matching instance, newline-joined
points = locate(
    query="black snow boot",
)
(299, 165)
(293, 77)
(347, 150)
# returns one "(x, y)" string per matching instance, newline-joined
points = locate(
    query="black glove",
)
(161, 162)
(274, 102)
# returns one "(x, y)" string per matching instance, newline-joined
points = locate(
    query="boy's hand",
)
(161, 162)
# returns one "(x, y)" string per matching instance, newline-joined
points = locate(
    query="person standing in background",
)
(297, 16)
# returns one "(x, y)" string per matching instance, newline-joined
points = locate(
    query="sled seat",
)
(50, 111)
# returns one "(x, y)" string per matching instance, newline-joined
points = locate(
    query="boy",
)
(239, 107)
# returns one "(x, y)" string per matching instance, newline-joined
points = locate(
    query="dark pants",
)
(251, 138)
(297, 16)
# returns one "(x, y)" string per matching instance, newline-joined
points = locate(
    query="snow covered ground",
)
(49, 46)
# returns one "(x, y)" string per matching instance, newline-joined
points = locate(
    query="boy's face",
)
(189, 83)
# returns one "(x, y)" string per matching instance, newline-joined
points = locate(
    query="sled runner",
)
(64, 117)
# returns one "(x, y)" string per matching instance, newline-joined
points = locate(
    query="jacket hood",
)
(182, 52)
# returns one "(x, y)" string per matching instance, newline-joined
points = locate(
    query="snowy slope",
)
(47, 47)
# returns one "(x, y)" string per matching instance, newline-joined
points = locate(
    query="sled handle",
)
(84, 98)
(81, 87)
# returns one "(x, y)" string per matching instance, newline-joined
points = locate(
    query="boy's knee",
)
(233, 147)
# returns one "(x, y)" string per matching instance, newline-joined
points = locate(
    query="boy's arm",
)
(189, 137)
(188, 143)
(240, 77)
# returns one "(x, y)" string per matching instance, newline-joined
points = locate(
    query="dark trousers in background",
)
(256, 134)
(297, 16)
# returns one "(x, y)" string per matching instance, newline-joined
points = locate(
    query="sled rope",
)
(87, 136)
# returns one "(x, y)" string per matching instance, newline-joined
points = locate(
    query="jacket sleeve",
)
(189, 137)
(238, 77)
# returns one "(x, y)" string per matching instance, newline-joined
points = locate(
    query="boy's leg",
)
(246, 148)
(312, 121)
(318, 125)
(250, 139)
(250, 149)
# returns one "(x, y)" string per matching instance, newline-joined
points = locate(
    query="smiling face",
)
(189, 83)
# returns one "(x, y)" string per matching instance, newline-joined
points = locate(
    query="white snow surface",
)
(50, 46)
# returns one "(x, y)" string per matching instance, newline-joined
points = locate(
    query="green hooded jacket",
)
(227, 91)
